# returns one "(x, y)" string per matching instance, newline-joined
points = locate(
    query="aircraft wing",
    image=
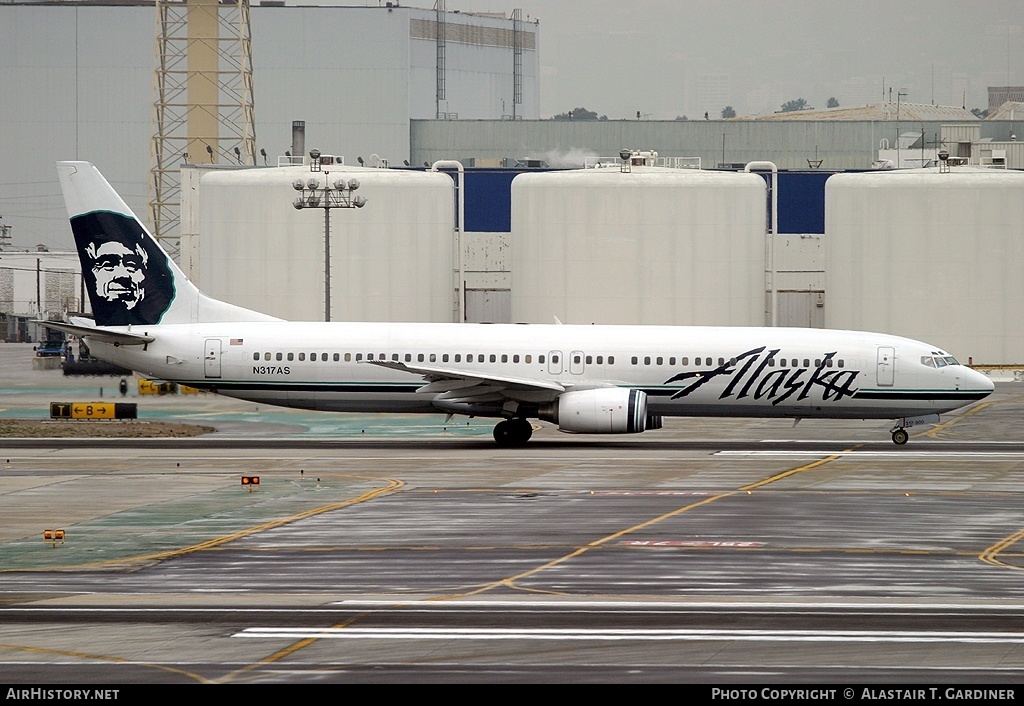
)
(442, 380)
(107, 335)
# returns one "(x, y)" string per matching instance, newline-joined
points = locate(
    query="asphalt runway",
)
(710, 552)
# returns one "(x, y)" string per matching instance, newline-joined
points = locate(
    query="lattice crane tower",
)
(203, 105)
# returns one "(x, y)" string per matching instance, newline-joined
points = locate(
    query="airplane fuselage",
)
(586, 379)
(684, 371)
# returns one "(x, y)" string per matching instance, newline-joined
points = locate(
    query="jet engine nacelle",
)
(612, 410)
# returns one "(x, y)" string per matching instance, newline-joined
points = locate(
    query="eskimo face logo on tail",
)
(125, 273)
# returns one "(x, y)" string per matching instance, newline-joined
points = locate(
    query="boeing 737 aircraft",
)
(587, 379)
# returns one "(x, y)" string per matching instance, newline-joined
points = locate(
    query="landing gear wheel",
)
(524, 430)
(900, 436)
(513, 432)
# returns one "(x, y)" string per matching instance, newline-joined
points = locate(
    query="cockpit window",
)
(938, 361)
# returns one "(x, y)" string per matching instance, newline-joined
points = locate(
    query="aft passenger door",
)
(211, 362)
(886, 366)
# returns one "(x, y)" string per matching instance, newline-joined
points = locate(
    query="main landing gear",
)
(899, 436)
(513, 432)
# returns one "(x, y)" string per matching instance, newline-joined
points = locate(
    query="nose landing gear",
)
(899, 436)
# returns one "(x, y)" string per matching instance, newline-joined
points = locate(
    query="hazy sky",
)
(681, 57)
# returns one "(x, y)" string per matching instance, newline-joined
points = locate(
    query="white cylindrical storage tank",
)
(936, 256)
(391, 260)
(648, 246)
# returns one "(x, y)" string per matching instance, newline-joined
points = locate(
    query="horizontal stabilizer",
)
(106, 335)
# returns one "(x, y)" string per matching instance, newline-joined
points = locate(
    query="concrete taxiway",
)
(402, 549)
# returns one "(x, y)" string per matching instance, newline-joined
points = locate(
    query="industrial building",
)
(354, 75)
(478, 210)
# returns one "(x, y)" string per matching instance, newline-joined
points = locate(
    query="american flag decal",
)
(236, 341)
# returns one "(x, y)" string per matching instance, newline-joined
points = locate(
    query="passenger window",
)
(554, 359)
(600, 359)
(611, 360)
(807, 363)
(589, 360)
(433, 357)
(721, 361)
(419, 358)
(337, 357)
(515, 358)
(840, 363)
(576, 359)
(528, 358)
(302, 356)
(672, 360)
(444, 358)
(540, 359)
(394, 357)
(266, 356)
(647, 360)
(278, 356)
(348, 357)
(504, 358)
(255, 356)
(634, 360)
(458, 357)
(359, 357)
(685, 360)
(494, 358)
(408, 357)
(658, 361)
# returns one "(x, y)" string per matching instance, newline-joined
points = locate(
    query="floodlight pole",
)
(338, 195)
(327, 260)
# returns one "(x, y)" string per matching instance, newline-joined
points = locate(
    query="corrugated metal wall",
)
(839, 145)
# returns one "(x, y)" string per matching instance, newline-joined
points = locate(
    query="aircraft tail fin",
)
(129, 277)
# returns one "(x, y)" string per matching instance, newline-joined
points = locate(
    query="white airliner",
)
(587, 379)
